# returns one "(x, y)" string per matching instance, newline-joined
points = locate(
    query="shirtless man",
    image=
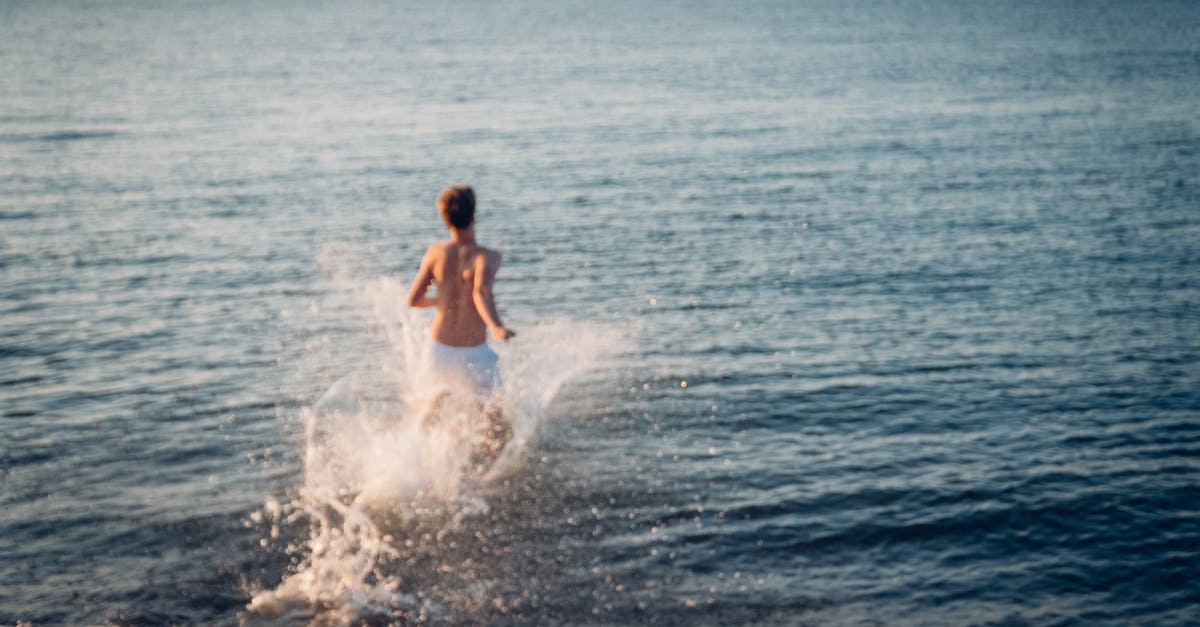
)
(464, 271)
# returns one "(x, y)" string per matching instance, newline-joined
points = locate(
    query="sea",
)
(829, 312)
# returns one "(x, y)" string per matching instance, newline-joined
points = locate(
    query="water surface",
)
(843, 313)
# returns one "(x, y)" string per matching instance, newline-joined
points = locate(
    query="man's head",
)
(457, 206)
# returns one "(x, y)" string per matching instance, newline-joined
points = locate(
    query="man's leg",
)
(496, 432)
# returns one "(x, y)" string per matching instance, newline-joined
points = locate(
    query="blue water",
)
(842, 312)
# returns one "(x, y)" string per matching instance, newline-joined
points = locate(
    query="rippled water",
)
(831, 313)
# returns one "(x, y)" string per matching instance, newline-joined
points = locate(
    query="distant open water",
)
(908, 292)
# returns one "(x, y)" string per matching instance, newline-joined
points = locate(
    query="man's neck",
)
(463, 236)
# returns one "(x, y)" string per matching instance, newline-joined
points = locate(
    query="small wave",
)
(58, 136)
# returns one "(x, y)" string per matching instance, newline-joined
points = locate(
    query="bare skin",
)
(466, 309)
(464, 272)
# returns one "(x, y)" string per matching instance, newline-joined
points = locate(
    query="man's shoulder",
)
(438, 248)
(489, 255)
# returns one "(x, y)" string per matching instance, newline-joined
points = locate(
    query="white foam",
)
(379, 451)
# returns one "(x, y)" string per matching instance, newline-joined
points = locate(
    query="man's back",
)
(460, 270)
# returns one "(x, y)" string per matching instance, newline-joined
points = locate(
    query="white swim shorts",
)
(477, 366)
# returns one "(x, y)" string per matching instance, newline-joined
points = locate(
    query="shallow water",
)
(830, 313)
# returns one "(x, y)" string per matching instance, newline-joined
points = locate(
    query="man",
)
(466, 310)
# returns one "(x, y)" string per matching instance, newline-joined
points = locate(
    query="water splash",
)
(384, 455)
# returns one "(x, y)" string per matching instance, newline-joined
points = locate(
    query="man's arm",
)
(420, 287)
(486, 266)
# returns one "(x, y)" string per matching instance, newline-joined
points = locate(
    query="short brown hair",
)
(457, 206)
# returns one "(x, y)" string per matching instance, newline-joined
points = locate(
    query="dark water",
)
(901, 302)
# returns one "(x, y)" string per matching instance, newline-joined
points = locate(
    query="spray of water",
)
(382, 450)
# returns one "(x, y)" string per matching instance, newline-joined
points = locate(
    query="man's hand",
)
(502, 333)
